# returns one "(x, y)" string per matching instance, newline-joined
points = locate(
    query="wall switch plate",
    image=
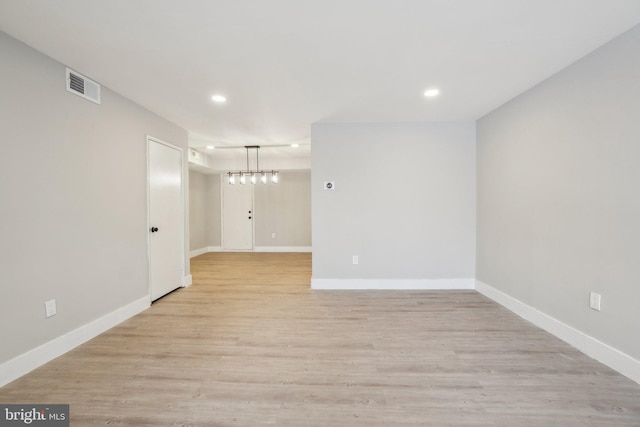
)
(594, 301)
(355, 259)
(50, 308)
(273, 235)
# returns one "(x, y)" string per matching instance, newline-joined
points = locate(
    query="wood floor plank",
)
(250, 344)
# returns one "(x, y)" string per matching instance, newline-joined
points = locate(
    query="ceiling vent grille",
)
(82, 86)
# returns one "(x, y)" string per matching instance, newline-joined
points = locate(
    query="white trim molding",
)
(282, 249)
(613, 358)
(207, 249)
(27, 362)
(187, 281)
(197, 252)
(392, 284)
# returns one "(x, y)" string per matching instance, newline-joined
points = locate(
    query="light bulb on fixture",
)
(252, 175)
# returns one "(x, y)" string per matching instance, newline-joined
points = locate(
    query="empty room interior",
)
(318, 213)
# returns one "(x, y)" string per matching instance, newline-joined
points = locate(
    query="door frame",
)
(253, 215)
(151, 139)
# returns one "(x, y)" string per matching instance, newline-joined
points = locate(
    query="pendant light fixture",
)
(253, 174)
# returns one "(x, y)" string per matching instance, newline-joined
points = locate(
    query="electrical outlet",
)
(273, 235)
(594, 301)
(50, 308)
(355, 259)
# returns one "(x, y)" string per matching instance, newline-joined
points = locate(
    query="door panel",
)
(237, 216)
(165, 219)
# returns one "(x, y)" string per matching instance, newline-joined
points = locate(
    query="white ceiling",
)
(284, 64)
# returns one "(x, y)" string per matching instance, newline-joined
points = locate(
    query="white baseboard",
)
(197, 252)
(187, 281)
(27, 362)
(392, 284)
(282, 249)
(615, 359)
(201, 251)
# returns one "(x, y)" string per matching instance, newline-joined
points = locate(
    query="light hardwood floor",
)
(249, 344)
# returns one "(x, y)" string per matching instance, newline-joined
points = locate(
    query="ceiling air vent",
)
(194, 154)
(82, 86)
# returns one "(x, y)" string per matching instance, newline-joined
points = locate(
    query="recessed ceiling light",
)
(295, 145)
(431, 92)
(219, 99)
(210, 147)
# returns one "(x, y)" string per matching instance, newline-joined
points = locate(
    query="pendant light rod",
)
(253, 174)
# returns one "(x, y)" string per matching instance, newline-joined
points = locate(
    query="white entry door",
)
(166, 248)
(237, 216)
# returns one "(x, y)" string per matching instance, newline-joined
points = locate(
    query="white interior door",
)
(165, 218)
(237, 216)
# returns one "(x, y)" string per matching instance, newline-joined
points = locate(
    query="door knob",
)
(154, 229)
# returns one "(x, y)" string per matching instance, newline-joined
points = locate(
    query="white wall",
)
(73, 201)
(284, 209)
(214, 211)
(558, 195)
(204, 199)
(197, 210)
(404, 202)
